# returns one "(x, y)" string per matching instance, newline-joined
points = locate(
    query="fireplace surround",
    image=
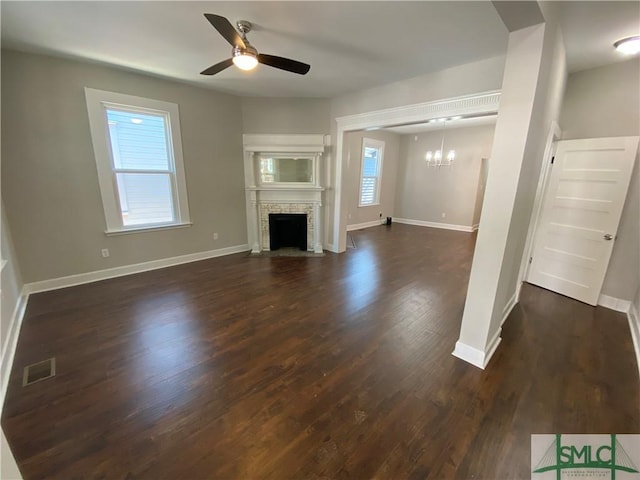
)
(266, 196)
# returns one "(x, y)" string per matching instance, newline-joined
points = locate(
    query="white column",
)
(253, 221)
(519, 133)
(253, 227)
(317, 227)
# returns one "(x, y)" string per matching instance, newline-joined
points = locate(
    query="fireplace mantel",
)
(263, 199)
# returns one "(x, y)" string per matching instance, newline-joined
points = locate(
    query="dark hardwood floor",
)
(309, 368)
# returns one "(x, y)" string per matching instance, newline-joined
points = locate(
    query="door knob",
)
(608, 236)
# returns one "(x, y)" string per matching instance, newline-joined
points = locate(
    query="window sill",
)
(369, 205)
(126, 231)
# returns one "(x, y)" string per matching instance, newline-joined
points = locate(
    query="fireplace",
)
(275, 188)
(287, 230)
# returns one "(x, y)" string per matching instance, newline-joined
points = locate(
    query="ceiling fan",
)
(244, 55)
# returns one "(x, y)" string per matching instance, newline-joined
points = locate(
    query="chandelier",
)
(438, 159)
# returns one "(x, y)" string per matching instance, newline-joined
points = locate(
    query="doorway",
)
(470, 105)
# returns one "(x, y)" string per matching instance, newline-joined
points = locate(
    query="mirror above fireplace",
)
(286, 169)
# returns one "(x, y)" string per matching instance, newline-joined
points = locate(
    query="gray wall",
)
(605, 102)
(49, 180)
(467, 79)
(285, 115)
(353, 158)
(424, 193)
(482, 185)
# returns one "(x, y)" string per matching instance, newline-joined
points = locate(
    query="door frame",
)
(475, 104)
(553, 136)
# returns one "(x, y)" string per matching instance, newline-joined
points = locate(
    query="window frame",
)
(98, 101)
(378, 145)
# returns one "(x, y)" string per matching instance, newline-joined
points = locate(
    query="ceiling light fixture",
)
(629, 45)
(245, 58)
(434, 159)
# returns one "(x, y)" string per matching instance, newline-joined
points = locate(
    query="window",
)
(136, 142)
(372, 153)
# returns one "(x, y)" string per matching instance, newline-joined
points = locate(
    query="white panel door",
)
(580, 215)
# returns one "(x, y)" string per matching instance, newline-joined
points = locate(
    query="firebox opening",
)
(288, 230)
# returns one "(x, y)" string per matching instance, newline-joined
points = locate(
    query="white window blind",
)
(142, 167)
(139, 158)
(372, 153)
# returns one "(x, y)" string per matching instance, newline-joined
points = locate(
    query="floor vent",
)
(39, 371)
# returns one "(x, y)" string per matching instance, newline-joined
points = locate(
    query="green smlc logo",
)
(611, 457)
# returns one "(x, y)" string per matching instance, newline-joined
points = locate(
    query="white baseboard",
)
(625, 306)
(10, 344)
(506, 311)
(493, 346)
(446, 226)
(475, 357)
(614, 303)
(359, 226)
(475, 227)
(469, 354)
(481, 358)
(634, 325)
(81, 278)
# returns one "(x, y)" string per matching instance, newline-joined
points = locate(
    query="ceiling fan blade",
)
(218, 67)
(284, 64)
(224, 28)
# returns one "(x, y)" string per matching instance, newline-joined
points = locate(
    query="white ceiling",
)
(590, 28)
(350, 45)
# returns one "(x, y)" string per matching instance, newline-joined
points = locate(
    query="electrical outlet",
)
(215, 236)
(444, 215)
(104, 252)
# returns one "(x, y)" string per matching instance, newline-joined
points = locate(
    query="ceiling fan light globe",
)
(245, 61)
